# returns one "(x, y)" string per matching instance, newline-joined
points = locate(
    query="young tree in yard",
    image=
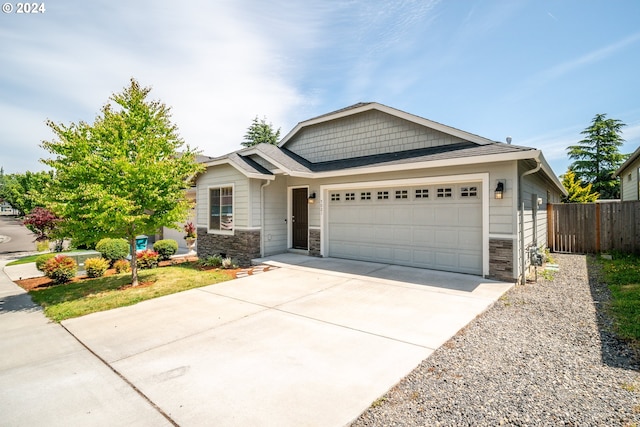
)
(24, 191)
(260, 132)
(597, 156)
(578, 193)
(44, 224)
(122, 176)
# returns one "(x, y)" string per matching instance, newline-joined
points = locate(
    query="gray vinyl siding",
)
(254, 200)
(224, 175)
(367, 133)
(275, 227)
(629, 182)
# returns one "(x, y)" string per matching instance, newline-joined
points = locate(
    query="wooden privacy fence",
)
(594, 227)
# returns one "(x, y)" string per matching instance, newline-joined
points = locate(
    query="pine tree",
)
(597, 156)
(260, 132)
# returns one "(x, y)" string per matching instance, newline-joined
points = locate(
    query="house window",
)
(335, 197)
(402, 194)
(383, 195)
(443, 192)
(468, 191)
(350, 196)
(422, 193)
(221, 209)
(365, 196)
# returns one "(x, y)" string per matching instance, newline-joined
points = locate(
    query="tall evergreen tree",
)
(597, 156)
(260, 132)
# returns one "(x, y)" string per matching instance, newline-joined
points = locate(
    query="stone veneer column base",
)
(501, 259)
(242, 246)
(314, 242)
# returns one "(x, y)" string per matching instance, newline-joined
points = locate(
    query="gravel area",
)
(542, 355)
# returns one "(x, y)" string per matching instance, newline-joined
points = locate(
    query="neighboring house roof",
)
(630, 160)
(473, 149)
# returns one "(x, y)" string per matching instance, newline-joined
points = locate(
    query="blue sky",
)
(537, 70)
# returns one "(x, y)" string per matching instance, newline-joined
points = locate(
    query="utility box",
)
(141, 242)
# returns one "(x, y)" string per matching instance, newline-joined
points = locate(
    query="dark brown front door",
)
(299, 220)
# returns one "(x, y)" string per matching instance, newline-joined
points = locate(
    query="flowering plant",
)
(190, 229)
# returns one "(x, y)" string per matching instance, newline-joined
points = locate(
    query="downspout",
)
(521, 197)
(262, 228)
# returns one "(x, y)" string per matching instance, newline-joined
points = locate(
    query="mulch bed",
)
(38, 283)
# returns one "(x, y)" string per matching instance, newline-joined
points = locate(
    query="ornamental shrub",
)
(113, 249)
(147, 259)
(210, 261)
(42, 260)
(60, 269)
(122, 266)
(165, 248)
(95, 267)
(228, 263)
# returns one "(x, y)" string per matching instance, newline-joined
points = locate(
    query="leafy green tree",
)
(578, 192)
(260, 132)
(124, 175)
(24, 191)
(597, 156)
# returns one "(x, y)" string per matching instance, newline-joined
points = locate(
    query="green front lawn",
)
(622, 275)
(92, 295)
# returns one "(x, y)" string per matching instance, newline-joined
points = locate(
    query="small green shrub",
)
(113, 249)
(211, 261)
(147, 259)
(60, 269)
(95, 267)
(122, 266)
(42, 260)
(165, 248)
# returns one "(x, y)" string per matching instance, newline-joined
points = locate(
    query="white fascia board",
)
(239, 169)
(281, 168)
(394, 112)
(423, 165)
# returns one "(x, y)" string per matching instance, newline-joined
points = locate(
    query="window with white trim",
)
(365, 195)
(335, 197)
(444, 192)
(422, 193)
(468, 191)
(350, 196)
(383, 195)
(221, 209)
(402, 194)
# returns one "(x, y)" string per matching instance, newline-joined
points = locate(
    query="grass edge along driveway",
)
(61, 302)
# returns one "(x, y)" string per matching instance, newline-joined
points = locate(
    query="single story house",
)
(373, 183)
(629, 174)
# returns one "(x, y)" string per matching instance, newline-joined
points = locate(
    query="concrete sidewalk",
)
(48, 378)
(313, 342)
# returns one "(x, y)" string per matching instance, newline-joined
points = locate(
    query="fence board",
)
(594, 227)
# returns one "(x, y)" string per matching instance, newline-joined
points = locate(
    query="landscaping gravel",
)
(542, 355)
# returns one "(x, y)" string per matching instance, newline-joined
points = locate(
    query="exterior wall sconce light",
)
(312, 198)
(500, 189)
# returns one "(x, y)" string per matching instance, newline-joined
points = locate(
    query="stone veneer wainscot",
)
(242, 246)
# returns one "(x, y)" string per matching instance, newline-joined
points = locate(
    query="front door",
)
(299, 218)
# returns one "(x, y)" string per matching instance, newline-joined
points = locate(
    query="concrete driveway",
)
(312, 343)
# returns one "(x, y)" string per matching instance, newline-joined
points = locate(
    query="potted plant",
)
(191, 236)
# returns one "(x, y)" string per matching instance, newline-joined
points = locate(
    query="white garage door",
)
(430, 226)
